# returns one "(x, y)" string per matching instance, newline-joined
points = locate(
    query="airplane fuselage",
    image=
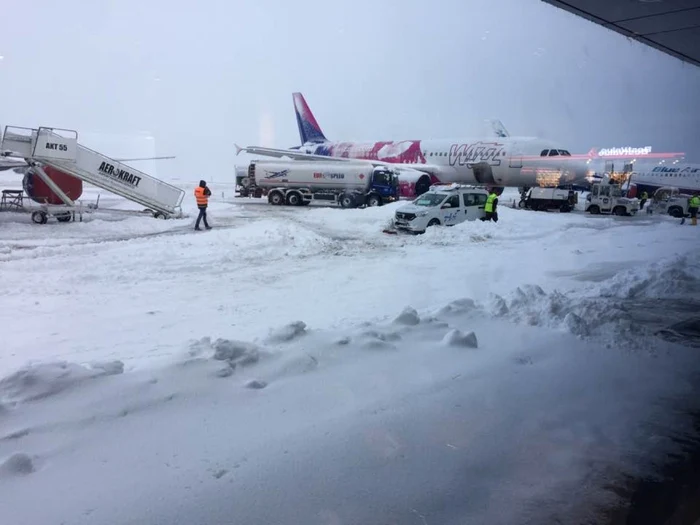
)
(685, 177)
(499, 161)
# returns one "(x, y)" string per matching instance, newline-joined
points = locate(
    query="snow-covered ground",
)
(301, 366)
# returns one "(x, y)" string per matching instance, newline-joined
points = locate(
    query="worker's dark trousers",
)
(642, 203)
(491, 216)
(202, 215)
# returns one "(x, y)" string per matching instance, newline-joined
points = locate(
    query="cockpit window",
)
(564, 152)
(553, 153)
(544, 153)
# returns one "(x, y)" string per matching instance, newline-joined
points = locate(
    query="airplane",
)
(685, 177)
(496, 161)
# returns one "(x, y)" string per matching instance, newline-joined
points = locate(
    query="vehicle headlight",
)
(421, 214)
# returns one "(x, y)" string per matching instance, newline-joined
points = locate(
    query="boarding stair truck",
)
(669, 200)
(298, 183)
(606, 198)
(59, 149)
(549, 199)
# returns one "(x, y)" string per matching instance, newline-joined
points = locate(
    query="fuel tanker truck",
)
(297, 183)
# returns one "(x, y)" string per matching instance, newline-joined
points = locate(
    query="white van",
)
(442, 205)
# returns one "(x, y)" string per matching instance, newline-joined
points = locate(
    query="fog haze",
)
(197, 77)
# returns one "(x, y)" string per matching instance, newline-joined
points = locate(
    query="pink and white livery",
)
(496, 161)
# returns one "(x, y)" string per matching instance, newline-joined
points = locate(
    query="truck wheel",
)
(64, 217)
(619, 210)
(347, 201)
(275, 198)
(565, 208)
(294, 198)
(594, 210)
(521, 204)
(374, 200)
(675, 211)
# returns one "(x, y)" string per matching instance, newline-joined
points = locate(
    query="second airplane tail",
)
(309, 130)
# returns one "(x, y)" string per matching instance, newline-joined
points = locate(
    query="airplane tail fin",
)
(309, 130)
(498, 128)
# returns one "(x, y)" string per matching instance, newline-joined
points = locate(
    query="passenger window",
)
(481, 199)
(454, 201)
(469, 199)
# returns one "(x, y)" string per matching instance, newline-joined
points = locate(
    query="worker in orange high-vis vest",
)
(201, 194)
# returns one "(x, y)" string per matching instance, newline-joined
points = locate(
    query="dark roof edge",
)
(620, 30)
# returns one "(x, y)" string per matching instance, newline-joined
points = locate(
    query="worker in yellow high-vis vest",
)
(693, 206)
(490, 208)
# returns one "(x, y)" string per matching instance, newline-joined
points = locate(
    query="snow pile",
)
(44, 380)
(234, 354)
(611, 310)
(676, 277)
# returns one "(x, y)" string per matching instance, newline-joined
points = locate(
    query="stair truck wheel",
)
(619, 210)
(275, 198)
(594, 210)
(39, 217)
(294, 198)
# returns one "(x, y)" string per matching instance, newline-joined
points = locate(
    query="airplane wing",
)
(7, 164)
(408, 169)
(295, 155)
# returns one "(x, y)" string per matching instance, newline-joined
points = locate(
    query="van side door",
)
(451, 214)
(474, 204)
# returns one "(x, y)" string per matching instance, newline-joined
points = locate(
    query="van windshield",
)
(430, 199)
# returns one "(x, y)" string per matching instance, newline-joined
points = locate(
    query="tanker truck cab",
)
(442, 205)
(384, 187)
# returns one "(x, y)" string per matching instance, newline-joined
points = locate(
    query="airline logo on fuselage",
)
(666, 169)
(470, 154)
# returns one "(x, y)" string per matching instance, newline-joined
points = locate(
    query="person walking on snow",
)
(201, 195)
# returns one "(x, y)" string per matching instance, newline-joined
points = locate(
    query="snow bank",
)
(608, 312)
(674, 277)
(483, 409)
(47, 379)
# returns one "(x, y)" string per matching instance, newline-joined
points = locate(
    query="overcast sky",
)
(199, 76)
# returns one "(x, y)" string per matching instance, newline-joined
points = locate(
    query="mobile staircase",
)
(59, 149)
